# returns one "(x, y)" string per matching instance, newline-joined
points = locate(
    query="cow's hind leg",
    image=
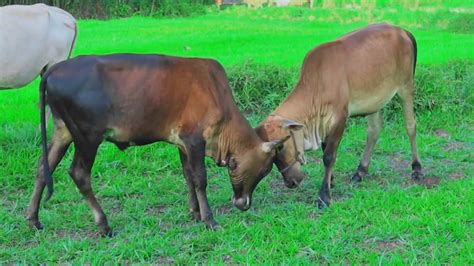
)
(375, 122)
(81, 174)
(329, 158)
(192, 197)
(56, 150)
(193, 163)
(406, 94)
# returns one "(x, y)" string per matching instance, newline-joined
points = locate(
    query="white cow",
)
(32, 39)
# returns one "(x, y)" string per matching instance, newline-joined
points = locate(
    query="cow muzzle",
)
(293, 177)
(243, 203)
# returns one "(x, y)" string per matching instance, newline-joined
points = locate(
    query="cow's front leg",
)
(192, 197)
(195, 152)
(329, 158)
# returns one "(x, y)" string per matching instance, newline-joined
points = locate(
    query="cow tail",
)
(415, 49)
(44, 138)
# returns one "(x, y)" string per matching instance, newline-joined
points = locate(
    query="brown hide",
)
(132, 99)
(356, 75)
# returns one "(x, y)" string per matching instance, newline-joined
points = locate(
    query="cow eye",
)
(232, 164)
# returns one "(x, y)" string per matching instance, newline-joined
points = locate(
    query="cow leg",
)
(323, 148)
(81, 174)
(375, 122)
(329, 158)
(56, 150)
(192, 197)
(406, 94)
(194, 161)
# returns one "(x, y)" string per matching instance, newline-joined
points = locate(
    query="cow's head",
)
(290, 156)
(248, 167)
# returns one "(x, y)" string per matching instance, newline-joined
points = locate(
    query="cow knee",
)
(411, 129)
(40, 172)
(327, 159)
(200, 182)
(80, 178)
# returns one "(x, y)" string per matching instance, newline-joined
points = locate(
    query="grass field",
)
(386, 219)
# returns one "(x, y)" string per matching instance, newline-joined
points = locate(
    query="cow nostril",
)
(293, 183)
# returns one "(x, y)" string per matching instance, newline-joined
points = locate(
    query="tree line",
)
(122, 8)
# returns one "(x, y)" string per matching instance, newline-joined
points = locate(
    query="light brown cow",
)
(356, 75)
(132, 99)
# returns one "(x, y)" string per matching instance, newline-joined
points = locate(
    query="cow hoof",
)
(111, 233)
(107, 232)
(356, 178)
(417, 176)
(323, 203)
(212, 225)
(36, 225)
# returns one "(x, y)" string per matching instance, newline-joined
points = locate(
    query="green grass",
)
(387, 219)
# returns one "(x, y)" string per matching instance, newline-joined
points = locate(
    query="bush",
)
(172, 8)
(462, 23)
(259, 89)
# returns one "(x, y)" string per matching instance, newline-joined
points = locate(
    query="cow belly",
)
(369, 104)
(17, 79)
(125, 138)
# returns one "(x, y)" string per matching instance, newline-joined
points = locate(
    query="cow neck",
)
(304, 106)
(236, 137)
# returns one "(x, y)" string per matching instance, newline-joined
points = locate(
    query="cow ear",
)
(291, 124)
(267, 147)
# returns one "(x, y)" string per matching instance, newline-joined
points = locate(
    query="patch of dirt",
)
(228, 259)
(215, 187)
(442, 133)
(385, 245)
(223, 209)
(429, 181)
(157, 210)
(165, 260)
(114, 205)
(457, 176)
(315, 214)
(454, 145)
(307, 252)
(398, 164)
(390, 244)
(78, 234)
(134, 195)
(401, 167)
(277, 184)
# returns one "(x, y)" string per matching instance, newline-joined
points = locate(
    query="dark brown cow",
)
(131, 99)
(356, 75)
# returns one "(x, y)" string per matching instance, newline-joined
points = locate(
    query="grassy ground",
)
(387, 219)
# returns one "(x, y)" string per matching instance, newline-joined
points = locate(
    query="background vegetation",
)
(386, 219)
(176, 8)
(123, 8)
